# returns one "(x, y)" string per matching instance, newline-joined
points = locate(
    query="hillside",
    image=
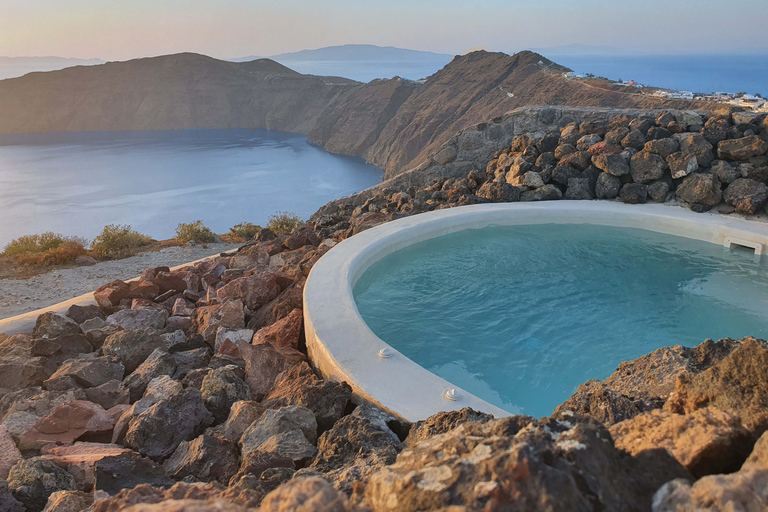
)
(394, 123)
(170, 92)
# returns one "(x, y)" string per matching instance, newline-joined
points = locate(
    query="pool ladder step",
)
(730, 241)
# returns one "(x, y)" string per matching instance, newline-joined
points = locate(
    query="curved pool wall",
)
(343, 347)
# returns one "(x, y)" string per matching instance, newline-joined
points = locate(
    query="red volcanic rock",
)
(170, 281)
(67, 423)
(301, 238)
(255, 290)
(283, 333)
(80, 459)
(263, 363)
(706, 441)
(108, 296)
(209, 319)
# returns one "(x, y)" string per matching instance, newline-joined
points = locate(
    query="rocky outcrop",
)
(560, 463)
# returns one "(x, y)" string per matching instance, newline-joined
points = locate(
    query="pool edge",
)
(341, 345)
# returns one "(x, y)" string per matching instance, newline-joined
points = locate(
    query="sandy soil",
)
(22, 296)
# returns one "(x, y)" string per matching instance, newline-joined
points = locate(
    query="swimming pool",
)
(522, 315)
(379, 361)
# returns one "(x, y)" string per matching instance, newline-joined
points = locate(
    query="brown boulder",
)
(263, 363)
(300, 386)
(80, 460)
(250, 256)
(747, 196)
(565, 462)
(255, 290)
(291, 298)
(706, 441)
(742, 149)
(68, 501)
(207, 458)
(109, 296)
(283, 333)
(67, 423)
(304, 495)
(209, 319)
(738, 384)
(701, 189)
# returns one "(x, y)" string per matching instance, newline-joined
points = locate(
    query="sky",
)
(125, 29)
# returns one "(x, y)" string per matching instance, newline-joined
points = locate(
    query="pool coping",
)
(341, 345)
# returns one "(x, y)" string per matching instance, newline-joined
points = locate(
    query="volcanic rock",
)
(647, 167)
(132, 346)
(126, 471)
(738, 384)
(66, 423)
(90, 372)
(220, 389)
(299, 386)
(304, 495)
(747, 196)
(69, 501)
(209, 318)
(561, 463)
(706, 441)
(277, 421)
(54, 325)
(139, 318)
(158, 431)
(206, 458)
(702, 189)
(634, 193)
(158, 363)
(742, 149)
(264, 363)
(33, 480)
(682, 164)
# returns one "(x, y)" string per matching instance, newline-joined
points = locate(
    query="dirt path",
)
(22, 296)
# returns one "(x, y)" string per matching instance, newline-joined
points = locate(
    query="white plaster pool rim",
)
(26, 321)
(342, 346)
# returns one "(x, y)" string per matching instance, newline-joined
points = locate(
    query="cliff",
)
(395, 124)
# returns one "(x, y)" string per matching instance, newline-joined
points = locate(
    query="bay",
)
(76, 183)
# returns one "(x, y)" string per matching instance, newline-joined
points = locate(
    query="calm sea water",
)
(77, 183)
(695, 73)
(521, 316)
(365, 71)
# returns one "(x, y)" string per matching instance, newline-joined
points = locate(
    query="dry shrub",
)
(31, 244)
(64, 253)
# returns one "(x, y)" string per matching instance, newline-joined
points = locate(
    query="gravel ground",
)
(22, 296)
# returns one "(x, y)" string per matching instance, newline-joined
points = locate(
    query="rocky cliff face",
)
(395, 124)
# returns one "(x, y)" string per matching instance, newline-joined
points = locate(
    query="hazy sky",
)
(122, 29)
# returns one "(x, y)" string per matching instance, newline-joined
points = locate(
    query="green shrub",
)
(194, 231)
(40, 243)
(245, 230)
(283, 222)
(118, 240)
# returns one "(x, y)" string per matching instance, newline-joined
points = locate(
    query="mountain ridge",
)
(392, 123)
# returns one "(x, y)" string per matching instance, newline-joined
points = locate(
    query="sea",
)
(76, 183)
(693, 73)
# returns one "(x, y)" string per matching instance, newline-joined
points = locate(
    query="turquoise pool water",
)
(520, 316)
